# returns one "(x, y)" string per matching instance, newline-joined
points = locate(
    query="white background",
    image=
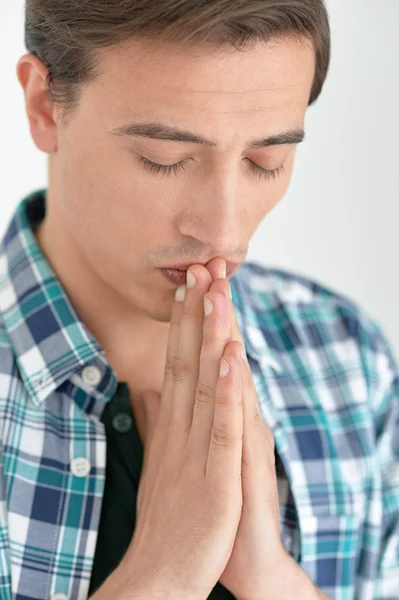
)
(338, 222)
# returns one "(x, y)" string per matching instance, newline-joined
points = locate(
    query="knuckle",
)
(235, 346)
(214, 335)
(219, 437)
(209, 337)
(258, 419)
(205, 393)
(168, 366)
(222, 399)
(179, 368)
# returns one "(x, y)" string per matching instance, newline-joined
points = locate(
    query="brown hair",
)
(69, 35)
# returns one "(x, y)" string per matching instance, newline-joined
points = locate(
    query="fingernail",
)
(224, 271)
(180, 293)
(208, 307)
(231, 296)
(243, 354)
(224, 368)
(191, 279)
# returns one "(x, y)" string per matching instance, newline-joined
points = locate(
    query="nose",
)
(214, 216)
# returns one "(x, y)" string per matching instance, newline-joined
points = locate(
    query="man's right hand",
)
(190, 495)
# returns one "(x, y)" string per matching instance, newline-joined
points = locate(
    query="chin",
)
(160, 309)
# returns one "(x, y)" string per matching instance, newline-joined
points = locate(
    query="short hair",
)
(68, 36)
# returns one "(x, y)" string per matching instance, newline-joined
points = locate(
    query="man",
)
(171, 130)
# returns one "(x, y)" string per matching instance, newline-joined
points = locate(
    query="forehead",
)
(203, 81)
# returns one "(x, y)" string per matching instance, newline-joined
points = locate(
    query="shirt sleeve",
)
(386, 418)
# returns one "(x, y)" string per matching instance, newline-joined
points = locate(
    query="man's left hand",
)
(259, 567)
(258, 550)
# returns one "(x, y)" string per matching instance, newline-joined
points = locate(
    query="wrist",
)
(291, 582)
(287, 581)
(129, 581)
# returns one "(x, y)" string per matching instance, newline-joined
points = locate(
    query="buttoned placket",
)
(87, 460)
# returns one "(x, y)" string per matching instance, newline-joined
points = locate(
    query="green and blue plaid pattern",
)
(328, 388)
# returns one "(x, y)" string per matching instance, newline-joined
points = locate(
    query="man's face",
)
(128, 221)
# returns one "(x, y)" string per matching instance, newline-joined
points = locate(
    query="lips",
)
(178, 275)
(231, 267)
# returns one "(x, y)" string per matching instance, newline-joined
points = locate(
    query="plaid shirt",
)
(328, 388)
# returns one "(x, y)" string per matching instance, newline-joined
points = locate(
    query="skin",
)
(110, 223)
(258, 555)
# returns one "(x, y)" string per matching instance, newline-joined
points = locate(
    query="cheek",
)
(270, 197)
(108, 195)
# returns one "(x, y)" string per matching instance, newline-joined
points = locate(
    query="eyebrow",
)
(161, 131)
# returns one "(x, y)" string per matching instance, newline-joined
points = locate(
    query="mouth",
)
(178, 276)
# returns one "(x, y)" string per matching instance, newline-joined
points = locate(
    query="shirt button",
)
(91, 375)
(80, 467)
(59, 597)
(122, 422)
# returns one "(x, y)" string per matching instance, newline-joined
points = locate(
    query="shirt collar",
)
(49, 340)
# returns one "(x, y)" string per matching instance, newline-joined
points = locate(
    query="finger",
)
(166, 405)
(224, 460)
(238, 350)
(223, 287)
(186, 356)
(158, 444)
(252, 401)
(258, 444)
(164, 441)
(216, 335)
(217, 268)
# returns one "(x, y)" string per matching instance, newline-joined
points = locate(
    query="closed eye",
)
(168, 170)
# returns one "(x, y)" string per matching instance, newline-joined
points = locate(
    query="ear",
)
(32, 74)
